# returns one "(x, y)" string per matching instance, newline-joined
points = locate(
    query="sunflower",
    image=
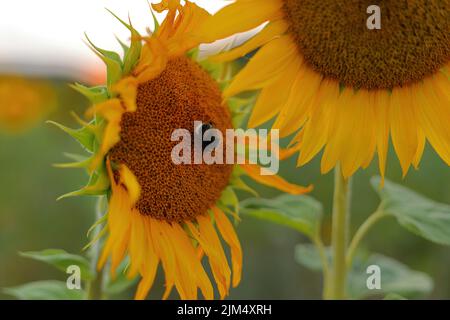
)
(339, 86)
(161, 213)
(24, 102)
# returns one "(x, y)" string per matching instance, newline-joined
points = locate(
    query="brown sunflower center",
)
(182, 94)
(332, 36)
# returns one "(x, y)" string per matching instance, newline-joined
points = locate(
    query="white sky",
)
(46, 36)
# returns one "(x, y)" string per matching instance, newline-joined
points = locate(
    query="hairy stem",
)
(95, 286)
(359, 235)
(340, 226)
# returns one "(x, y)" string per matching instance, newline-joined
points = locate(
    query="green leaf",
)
(302, 213)
(394, 296)
(396, 277)
(44, 290)
(422, 216)
(61, 260)
(308, 256)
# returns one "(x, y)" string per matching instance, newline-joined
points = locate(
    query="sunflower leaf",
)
(419, 215)
(395, 277)
(302, 213)
(61, 260)
(44, 290)
(394, 296)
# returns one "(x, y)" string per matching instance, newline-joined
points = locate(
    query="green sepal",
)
(84, 136)
(133, 54)
(155, 21)
(113, 64)
(238, 184)
(79, 164)
(96, 224)
(193, 54)
(94, 94)
(240, 108)
(108, 54)
(230, 199)
(75, 157)
(97, 237)
(98, 184)
(216, 70)
(125, 48)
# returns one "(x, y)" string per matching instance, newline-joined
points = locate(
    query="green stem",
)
(340, 226)
(95, 286)
(362, 231)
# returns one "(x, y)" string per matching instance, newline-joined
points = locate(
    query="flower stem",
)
(340, 226)
(362, 231)
(95, 286)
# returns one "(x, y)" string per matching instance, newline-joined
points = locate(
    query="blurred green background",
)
(32, 219)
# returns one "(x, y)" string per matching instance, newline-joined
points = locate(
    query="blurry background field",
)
(31, 218)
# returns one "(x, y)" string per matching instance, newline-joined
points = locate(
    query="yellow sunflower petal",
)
(127, 90)
(274, 96)
(362, 142)
(229, 235)
(131, 183)
(433, 108)
(209, 241)
(240, 16)
(315, 133)
(190, 17)
(194, 267)
(403, 127)
(258, 73)
(271, 31)
(381, 102)
(295, 111)
(153, 60)
(254, 172)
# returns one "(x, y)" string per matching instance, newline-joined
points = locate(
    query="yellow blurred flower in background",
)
(24, 102)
